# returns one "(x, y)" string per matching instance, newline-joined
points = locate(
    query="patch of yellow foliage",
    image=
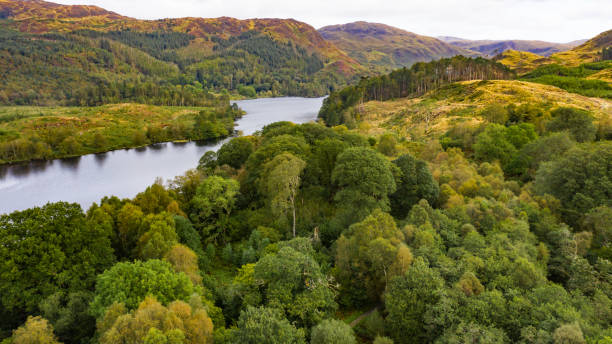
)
(522, 61)
(433, 114)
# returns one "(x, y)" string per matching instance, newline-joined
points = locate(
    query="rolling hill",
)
(462, 103)
(51, 51)
(382, 46)
(491, 48)
(589, 51)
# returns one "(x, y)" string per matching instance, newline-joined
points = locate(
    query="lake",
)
(124, 173)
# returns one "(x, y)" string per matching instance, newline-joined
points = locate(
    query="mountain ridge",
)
(87, 49)
(491, 48)
(381, 45)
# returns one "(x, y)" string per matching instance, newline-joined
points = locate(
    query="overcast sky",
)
(550, 20)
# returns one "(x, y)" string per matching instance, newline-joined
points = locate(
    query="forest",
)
(409, 82)
(315, 234)
(92, 68)
(574, 79)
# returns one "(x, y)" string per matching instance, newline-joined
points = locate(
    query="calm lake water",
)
(124, 173)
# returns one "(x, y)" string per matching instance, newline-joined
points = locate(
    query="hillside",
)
(491, 48)
(53, 50)
(411, 82)
(461, 104)
(521, 61)
(387, 47)
(590, 51)
(587, 52)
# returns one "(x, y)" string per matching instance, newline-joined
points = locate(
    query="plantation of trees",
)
(409, 82)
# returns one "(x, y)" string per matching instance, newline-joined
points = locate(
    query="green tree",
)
(154, 199)
(188, 235)
(382, 340)
(324, 155)
(129, 220)
(472, 333)
(158, 236)
(265, 326)
(546, 148)
(70, 316)
(366, 258)
(599, 222)
(129, 284)
(387, 145)
(501, 143)
(407, 300)
(332, 331)
(496, 114)
(236, 152)
(281, 182)
(578, 122)
(46, 250)
(365, 180)
(292, 280)
(581, 180)
(414, 183)
(213, 203)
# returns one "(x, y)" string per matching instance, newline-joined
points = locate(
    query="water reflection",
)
(70, 163)
(126, 172)
(100, 158)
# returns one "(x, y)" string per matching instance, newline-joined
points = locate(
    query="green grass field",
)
(52, 132)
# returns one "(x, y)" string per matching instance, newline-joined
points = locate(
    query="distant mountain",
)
(491, 48)
(50, 52)
(589, 51)
(383, 46)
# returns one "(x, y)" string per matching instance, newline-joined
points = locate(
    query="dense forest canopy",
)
(280, 234)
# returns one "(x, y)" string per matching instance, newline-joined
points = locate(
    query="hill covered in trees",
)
(408, 82)
(84, 55)
(385, 47)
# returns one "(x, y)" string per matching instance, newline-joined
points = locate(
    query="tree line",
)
(409, 82)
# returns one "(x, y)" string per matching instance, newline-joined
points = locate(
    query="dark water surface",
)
(124, 173)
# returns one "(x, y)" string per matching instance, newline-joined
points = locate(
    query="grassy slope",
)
(118, 124)
(521, 61)
(434, 113)
(587, 52)
(379, 45)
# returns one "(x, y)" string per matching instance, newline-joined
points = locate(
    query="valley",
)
(260, 181)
